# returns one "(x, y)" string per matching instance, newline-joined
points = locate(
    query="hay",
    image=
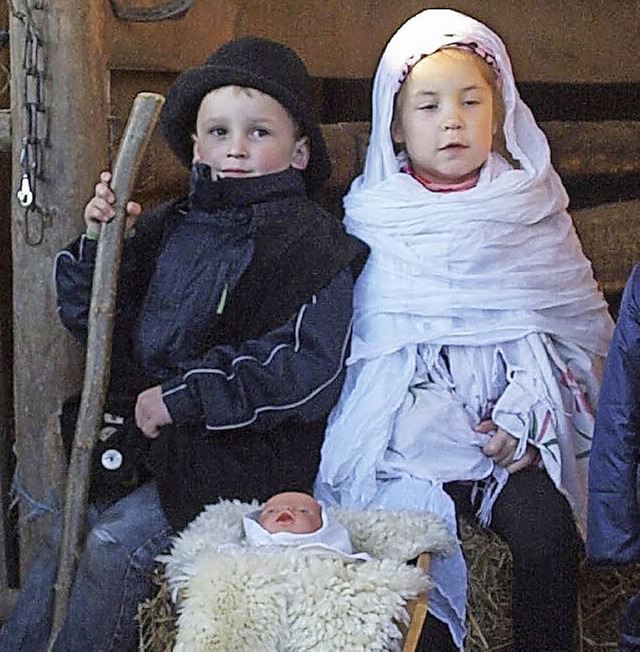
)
(157, 617)
(603, 597)
(489, 593)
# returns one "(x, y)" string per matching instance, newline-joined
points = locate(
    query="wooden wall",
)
(577, 40)
(576, 62)
(573, 63)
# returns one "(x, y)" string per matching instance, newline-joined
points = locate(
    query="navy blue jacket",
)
(237, 300)
(613, 525)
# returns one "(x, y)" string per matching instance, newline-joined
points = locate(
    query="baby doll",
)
(291, 511)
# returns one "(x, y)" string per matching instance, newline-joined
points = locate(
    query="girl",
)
(479, 329)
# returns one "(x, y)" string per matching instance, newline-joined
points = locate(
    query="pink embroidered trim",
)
(464, 44)
(443, 187)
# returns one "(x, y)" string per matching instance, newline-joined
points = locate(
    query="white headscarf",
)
(482, 266)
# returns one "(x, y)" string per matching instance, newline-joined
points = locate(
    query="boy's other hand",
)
(502, 447)
(151, 412)
(100, 208)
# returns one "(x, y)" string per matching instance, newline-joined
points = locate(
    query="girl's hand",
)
(100, 208)
(151, 412)
(502, 447)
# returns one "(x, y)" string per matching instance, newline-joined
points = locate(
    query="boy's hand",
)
(151, 412)
(100, 207)
(502, 447)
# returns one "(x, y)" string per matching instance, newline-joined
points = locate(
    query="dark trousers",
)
(536, 522)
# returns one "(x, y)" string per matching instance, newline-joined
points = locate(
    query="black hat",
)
(254, 62)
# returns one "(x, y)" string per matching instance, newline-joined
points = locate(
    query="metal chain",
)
(36, 137)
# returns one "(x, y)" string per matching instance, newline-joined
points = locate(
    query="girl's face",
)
(445, 117)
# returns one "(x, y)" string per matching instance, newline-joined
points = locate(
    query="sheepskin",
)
(231, 600)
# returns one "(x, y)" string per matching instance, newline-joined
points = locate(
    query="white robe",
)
(474, 304)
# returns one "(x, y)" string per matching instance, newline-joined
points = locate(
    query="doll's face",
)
(292, 512)
(445, 117)
(242, 132)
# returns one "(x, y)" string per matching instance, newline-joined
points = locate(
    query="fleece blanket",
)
(234, 597)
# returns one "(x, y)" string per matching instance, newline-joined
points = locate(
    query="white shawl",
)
(495, 264)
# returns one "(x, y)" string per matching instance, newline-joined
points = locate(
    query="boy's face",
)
(292, 512)
(445, 118)
(241, 132)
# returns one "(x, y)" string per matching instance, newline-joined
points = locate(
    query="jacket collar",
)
(206, 194)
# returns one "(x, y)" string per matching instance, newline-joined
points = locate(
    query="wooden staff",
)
(142, 119)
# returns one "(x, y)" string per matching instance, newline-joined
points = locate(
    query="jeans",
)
(113, 577)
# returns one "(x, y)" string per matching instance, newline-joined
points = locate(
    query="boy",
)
(233, 322)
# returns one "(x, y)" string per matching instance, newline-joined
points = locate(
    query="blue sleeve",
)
(73, 276)
(294, 371)
(613, 525)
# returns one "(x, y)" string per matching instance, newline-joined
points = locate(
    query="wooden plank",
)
(172, 45)
(610, 236)
(594, 148)
(572, 41)
(5, 130)
(8, 552)
(417, 609)
(579, 149)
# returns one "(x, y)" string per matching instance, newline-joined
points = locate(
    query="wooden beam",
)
(48, 362)
(5, 130)
(594, 148)
(579, 150)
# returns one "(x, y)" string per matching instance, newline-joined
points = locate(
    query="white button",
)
(111, 459)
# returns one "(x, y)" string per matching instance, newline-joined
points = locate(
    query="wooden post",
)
(47, 362)
(7, 550)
